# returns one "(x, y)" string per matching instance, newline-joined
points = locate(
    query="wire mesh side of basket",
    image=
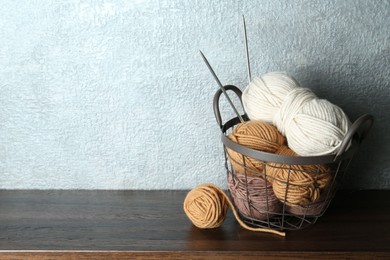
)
(259, 207)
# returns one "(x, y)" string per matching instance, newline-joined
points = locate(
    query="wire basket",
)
(266, 200)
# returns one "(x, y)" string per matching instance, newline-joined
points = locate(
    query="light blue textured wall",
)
(114, 95)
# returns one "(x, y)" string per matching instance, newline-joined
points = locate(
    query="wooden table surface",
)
(122, 224)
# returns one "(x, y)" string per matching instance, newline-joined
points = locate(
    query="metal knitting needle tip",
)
(221, 86)
(248, 67)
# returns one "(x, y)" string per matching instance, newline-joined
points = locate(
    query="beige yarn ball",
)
(304, 183)
(206, 206)
(257, 135)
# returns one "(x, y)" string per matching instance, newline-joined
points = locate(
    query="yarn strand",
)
(215, 208)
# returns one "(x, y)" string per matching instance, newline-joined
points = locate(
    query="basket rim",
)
(284, 159)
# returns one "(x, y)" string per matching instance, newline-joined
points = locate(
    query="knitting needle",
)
(248, 67)
(221, 86)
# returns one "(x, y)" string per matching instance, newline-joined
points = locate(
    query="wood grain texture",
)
(152, 224)
(158, 255)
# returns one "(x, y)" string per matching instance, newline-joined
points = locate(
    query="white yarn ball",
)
(311, 125)
(265, 94)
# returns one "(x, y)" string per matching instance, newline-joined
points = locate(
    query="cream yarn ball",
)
(264, 95)
(312, 126)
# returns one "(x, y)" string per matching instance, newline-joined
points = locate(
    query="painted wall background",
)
(114, 94)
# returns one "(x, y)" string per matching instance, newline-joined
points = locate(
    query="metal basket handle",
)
(217, 112)
(358, 129)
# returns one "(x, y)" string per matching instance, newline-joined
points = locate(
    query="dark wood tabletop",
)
(57, 224)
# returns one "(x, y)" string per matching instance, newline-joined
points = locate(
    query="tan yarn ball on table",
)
(206, 207)
(305, 182)
(257, 135)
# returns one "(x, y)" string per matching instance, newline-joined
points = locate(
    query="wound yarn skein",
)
(253, 196)
(304, 183)
(265, 94)
(206, 207)
(257, 135)
(312, 126)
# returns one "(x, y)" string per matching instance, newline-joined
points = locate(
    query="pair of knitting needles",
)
(247, 67)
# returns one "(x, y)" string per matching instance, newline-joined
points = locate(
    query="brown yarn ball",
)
(257, 135)
(206, 206)
(253, 196)
(305, 182)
